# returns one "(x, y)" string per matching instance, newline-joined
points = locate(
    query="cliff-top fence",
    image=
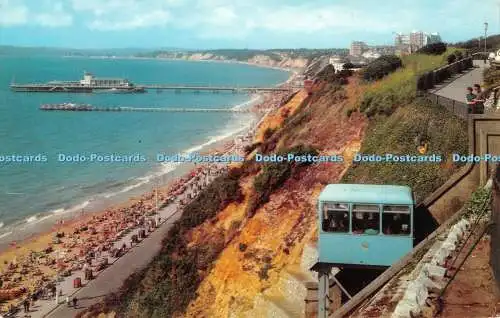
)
(431, 79)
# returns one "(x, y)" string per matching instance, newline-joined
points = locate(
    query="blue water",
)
(29, 189)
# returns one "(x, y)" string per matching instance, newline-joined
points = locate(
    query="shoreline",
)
(42, 222)
(284, 69)
(38, 241)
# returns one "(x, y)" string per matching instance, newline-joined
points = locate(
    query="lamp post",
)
(485, 30)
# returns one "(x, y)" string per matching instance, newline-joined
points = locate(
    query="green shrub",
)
(381, 67)
(491, 77)
(459, 55)
(268, 133)
(274, 174)
(433, 49)
(425, 81)
(451, 58)
(329, 75)
(348, 66)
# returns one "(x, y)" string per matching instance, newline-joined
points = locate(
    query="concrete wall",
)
(495, 230)
(445, 204)
(484, 138)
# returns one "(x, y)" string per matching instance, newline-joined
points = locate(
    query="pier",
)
(91, 84)
(216, 89)
(141, 109)
(76, 88)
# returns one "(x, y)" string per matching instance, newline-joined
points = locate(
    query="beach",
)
(83, 245)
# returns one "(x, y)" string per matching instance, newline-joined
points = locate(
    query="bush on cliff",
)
(329, 75)
(491, 77)
(399, 88)
(433, 49)
(451, 58)
(169, 283)
(274, 174)
(381, 67)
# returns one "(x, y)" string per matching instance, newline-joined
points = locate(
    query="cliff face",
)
(274, 238)
(281, 60)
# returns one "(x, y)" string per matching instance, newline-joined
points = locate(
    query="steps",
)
(286, 299)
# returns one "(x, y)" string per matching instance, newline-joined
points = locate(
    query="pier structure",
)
(83, 108)
(216, 89)
(75, 88)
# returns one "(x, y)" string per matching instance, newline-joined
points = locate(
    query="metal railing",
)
(456, 107)
(430, 79)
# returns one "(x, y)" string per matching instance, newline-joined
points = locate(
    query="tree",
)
(433, 49)
(348, 66)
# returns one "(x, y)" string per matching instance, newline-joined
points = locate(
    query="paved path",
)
(111, 278)
(456, 88)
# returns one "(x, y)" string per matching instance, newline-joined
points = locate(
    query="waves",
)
(108, 189)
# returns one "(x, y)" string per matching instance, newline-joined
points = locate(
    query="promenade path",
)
(111, 278)
(455, 89)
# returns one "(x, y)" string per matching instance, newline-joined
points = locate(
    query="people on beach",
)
(26, 305)
(99, 234)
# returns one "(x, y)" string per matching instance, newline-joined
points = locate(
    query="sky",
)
(253, 24)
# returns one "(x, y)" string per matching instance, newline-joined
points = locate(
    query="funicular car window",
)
(336, 217)
(396, 220)
(365, 219)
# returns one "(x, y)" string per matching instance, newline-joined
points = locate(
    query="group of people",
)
(475, 99)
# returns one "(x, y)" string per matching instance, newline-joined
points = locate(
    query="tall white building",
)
(414, 40)
(357, 48)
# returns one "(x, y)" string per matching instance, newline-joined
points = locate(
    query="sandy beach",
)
(39, 268)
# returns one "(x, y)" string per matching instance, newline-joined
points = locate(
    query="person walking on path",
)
(75, 301)
(470, 97)
(26, 304)
(480, 99)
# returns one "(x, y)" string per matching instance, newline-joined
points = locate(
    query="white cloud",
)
(53, 20)
(125, 14)
(153, 18)
(15, 13)
(55, 17)
(12, 13)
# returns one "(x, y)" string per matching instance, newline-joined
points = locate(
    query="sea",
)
(32, 193)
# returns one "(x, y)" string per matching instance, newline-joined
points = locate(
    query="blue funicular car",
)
(365, 226)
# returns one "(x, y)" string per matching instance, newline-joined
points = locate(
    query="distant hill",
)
(283, 58)
(246, 54)
(492, 43)
(55, 51)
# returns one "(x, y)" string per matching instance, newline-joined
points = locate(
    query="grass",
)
(397, 134)
(398, 119)
(399, 88)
